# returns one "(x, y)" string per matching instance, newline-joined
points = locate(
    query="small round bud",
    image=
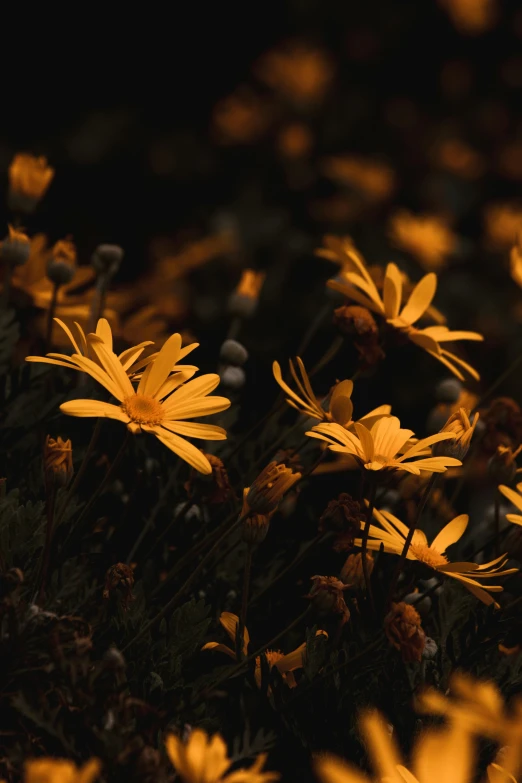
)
(15, 249)
(233, 377)
(241, 306)
(58, 464)
(59, 272)
(448, 390)
(430, 649)
(233, 352)
(106, 259)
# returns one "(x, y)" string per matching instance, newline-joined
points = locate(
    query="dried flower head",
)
(459, 424)
(214, 488)
(327, 595)
(120, 577)
(58, 463)
(268, 489)
(427, 237)
(29, 178)
(352, 573)
(343, 517)
(404, 631)
(15, 250)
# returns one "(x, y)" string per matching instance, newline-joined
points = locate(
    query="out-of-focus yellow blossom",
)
(241, 118)
(503, 224)
(471, 17)
(515, 259)
(458, 157)
(49, 770)
(295, 141)
(356, 283)
(375, 180)
(427, 237)
(393, 533)
(250, 284)
(204, 759)
(29, 179)
(299, 73)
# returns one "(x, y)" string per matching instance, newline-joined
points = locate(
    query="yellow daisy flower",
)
(393, 533)
(340, 407)
(204, 759)
(516, 499)
(285, 664)
(356, 283)
(162, 401)
(380, 447)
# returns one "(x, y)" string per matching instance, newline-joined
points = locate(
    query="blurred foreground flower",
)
(204, 759)
(356, 283)
(49, 770)
(379, 447)
(502, 224)
(29, 178)
(427, 237)
(158, 405)
(392, 536)
(299, 73)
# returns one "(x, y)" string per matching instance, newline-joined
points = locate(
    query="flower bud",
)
(233, 352)
(459, 424)
(61, 266)
(327, 595)
(255, 528)
(29, 178)
(448, 390)
(58, 464)
(352, 573)
(502, 467)
(403, 629)
(106, 259)
(267, 490)
(120, 577)
(243, 302)
(16, 248)
(232, 377)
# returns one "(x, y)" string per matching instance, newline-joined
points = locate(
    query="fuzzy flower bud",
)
(106, 259)
(58, 464)
(61, 266)
(232, 377)
(352, 573)
(29, 178)
(268, 489)
(342, 517)
(403, 629)
(459, 424)
(233, 353)
(243, 301)
(502, 467)
(327, 595)
(16, 248)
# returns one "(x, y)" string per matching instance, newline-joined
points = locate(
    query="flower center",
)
(142, 409)
(428, 556)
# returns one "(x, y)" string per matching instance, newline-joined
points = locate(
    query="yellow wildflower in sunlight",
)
(356, 283)
(204, 759)
(50, 770)
(29, 178)
(374, 179)
(379, 448)
(162, 401)
(30, 281)
(393, 533)
(340, 406)
(516, 499)
(300, 73)
(427, 237)
(285, 664)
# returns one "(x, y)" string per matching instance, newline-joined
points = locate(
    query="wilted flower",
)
(58, 464)
(120, 576)
(268, 489)
(204, 759)
(427, 237)
(50, 770)
(327, 595)
(352, 573)
(392, 534)
(343, 517)
(404, 631)
(16, 248)
(356, 283)
(300, 73)
(459, 424)
(29, 178)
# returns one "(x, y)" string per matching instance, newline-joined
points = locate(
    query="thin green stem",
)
(46, 556)
(364, 549)
(152, 517)
(246, 584)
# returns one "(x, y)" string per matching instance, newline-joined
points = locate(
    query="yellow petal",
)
(187, 451)
(219, 648)
(392, 291)
(333, 770)
(163, 364)
(420, 299)
(194, 430)
(88, 408)
(103, 330)
(450, 534)
(512, 496)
